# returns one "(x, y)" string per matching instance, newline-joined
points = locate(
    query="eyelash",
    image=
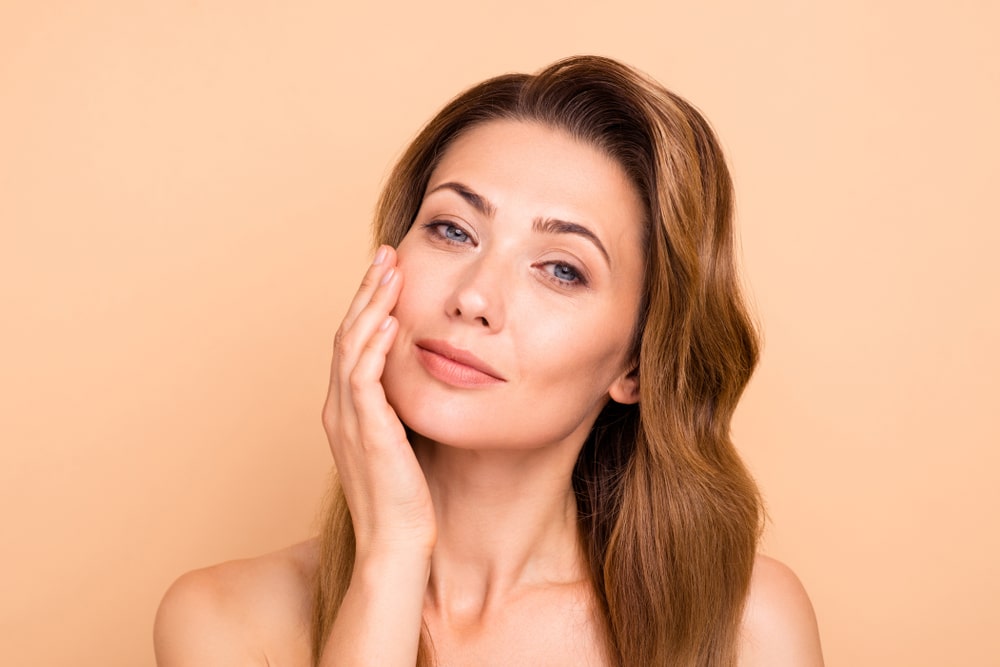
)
(440, 228)
(578, 281)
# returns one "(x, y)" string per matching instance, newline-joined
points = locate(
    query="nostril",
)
(484, 321)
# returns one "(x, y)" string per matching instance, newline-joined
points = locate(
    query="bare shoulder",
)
(779, 624)
(251, 612)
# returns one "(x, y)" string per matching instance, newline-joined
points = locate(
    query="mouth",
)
(454, 366)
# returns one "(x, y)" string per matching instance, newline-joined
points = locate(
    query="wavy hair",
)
(668, 513)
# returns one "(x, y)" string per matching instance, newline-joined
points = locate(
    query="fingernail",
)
(388, 275)
(380, 255)
(385, 323)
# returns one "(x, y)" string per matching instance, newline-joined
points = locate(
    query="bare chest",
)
(543, 635)
(542, 640)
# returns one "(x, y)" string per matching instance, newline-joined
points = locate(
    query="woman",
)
(529, 412)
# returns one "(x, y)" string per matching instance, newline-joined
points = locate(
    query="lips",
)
(455, 366)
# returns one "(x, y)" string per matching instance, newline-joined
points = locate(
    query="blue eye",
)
(565, 272)
(453, 233)
(448, 232)
(565, 275)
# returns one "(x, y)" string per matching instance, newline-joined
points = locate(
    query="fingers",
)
(356, 406)
(384, 261)
(373, 411)
(379, 473)
(371, 305)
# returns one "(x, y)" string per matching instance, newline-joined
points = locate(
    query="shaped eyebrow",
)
(474, 200)
(541, 225)
(554, 226)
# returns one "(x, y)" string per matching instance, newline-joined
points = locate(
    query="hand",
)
(384, 485)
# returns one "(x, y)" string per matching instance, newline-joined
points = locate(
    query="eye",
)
(566, 275)
(448, 232)
(453, 233)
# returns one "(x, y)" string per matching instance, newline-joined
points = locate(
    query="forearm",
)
(379, 620)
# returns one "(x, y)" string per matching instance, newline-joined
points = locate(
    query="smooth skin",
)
(471, 527)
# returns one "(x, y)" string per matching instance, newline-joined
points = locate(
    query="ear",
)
(625, 388)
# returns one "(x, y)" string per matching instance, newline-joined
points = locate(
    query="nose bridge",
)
(478, 294)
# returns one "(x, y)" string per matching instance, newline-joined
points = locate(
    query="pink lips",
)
(456, 367)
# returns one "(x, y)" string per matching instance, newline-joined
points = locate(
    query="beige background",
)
(185, 189)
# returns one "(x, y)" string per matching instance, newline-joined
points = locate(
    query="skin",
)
(472, 525)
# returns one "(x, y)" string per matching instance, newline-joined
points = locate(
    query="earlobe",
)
(625, 389)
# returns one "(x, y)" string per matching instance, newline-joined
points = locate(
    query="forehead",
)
(530, 169)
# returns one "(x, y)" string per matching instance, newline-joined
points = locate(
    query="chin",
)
(438, 425)
(436, 413)
(477, 419)
(465, 427)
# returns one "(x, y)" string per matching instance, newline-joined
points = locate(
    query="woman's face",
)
(522, 276)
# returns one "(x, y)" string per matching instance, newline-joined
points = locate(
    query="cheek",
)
(580, 353)
(420, 287)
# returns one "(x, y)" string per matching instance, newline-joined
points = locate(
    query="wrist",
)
(410, 549)
(395, 580)
(391, 558)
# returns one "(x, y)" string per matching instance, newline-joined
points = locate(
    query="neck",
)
(506, 523)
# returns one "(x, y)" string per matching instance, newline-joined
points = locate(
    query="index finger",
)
(385, 259)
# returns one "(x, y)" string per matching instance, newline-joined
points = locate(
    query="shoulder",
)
(779, 625)
(239, 612)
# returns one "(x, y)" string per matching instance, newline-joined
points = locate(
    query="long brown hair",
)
(668, 513)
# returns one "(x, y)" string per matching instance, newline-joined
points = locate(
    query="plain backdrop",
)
(185, 195)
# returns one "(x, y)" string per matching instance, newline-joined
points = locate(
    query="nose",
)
(477, 297)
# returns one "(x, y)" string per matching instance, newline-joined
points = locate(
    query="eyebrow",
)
(474, 200)
(542, 225)
(554, 226)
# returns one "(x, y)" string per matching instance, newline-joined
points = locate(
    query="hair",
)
(668, 514)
